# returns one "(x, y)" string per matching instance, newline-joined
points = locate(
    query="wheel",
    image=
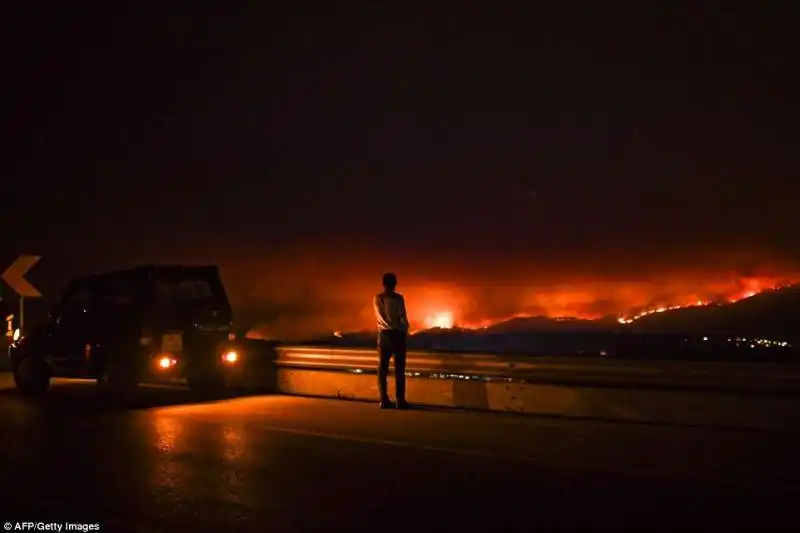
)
(119, 380)
(32, 376)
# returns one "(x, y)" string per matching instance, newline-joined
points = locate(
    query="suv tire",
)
(32, 376)
(120, 381)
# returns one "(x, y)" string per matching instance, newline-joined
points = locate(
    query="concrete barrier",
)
(768, 401)
(734, 395)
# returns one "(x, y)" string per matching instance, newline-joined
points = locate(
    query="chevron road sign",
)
(14, 276)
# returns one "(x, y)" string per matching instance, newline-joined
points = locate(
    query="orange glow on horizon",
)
(446, 305)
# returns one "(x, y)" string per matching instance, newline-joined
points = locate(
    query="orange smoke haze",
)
(302, 295)
(448, 305)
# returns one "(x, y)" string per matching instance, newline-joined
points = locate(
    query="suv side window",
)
(182, 292)
(117, 294)
(76, 303)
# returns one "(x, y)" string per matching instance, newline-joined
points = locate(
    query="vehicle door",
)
(119, 318)
(73, 329)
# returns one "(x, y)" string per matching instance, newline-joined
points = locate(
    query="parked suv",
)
(122, 328)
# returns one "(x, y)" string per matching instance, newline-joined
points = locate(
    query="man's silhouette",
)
(390, 312)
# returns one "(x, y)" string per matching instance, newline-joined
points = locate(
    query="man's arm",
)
(403, 315)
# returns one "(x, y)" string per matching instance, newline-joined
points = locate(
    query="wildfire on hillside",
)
(745, 288)
(754, 287)
(433, 305)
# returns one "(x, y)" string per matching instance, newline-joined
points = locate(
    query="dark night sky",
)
(561, 136)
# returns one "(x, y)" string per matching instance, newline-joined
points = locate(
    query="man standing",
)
(390, 312)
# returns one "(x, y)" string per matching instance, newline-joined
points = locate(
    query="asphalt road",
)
(272, 463)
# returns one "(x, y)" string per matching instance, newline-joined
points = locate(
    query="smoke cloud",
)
(304, 292)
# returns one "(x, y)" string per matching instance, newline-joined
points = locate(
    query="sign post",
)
(9, 330)
(14, 276)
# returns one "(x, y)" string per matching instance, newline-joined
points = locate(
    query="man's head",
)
(389, 281)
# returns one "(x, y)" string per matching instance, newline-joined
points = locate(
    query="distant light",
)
(230, 357)
(16, 335)
(442, 320)
(337, 334)
(705, 338)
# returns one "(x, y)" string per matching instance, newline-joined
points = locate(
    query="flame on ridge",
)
(445, 319)
(749, 293)
(479, 305)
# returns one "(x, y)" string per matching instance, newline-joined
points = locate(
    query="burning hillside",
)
(480, 306)
(746, 289)
(749, 287)
(757, 327)
(606, 300)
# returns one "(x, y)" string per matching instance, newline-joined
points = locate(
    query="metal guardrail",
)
(747, 377)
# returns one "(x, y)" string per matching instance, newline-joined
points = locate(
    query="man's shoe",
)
(386, 404)
(402, 404)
